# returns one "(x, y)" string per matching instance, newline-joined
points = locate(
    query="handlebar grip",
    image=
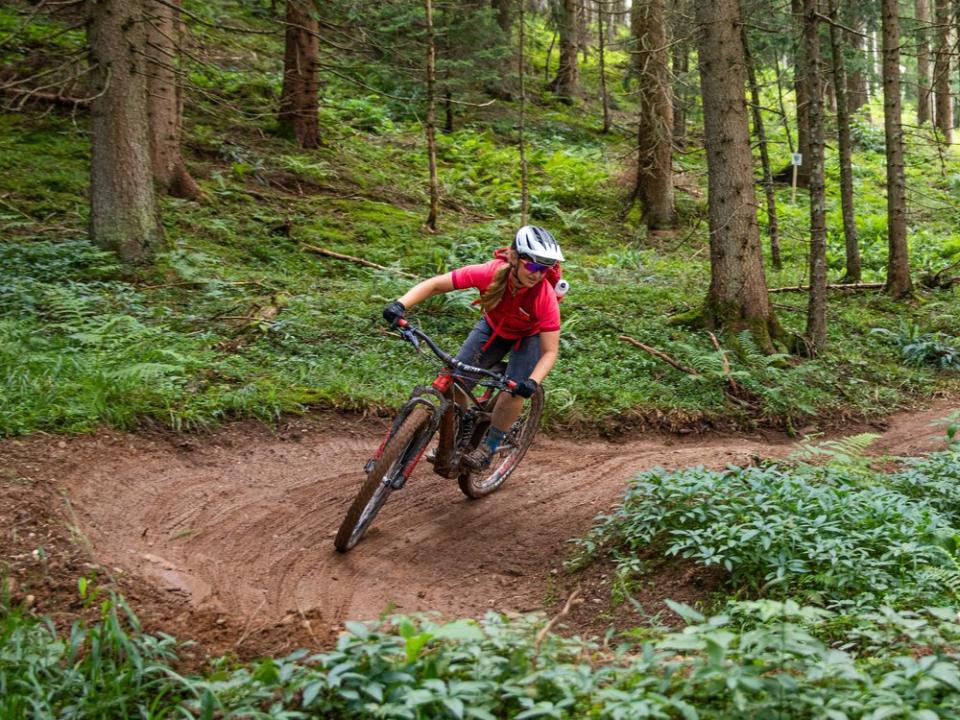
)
(402, 323)
(511, 385)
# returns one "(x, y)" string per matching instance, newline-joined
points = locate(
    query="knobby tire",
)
(479, 484)
(378, 485)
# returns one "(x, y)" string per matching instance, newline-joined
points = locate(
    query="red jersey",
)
(529, 312)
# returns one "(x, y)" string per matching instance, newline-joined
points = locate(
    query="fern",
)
(948, 577)
(145, 372)
(847, 455)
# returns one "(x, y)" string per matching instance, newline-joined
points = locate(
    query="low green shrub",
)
(830, 537)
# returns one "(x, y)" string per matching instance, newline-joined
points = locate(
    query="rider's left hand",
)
(526, 389)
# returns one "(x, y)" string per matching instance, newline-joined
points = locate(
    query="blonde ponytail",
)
(492, 296)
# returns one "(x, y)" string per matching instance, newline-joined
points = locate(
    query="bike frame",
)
(446, 414)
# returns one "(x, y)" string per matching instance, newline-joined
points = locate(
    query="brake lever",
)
(410, 337)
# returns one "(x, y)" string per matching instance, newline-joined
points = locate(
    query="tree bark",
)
(123, 208)
(853, 271)
(943, 116)
(522, 142)
(760, 132)
(922, 12)
(817, 299)
(858, 93)
(583, 29)
(298, 97)
(601, 51)
(165, 100)
(504, 9)
(680, 64)
(898, 281)
(566, 85)
(655, 131)
(737, 298)
(431, 119)
(801, 89)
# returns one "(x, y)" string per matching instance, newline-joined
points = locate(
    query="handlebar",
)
(413, 335)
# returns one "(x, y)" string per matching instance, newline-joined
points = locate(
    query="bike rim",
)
(370, 510)
(509, 462)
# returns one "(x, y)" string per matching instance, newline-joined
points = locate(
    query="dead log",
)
(358, 261)
(937, 281)
(659, 354)
(832, 286)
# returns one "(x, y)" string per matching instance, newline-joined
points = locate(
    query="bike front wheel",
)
(511, 452)
(400, 450)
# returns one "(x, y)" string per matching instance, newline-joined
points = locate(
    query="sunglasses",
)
(535, 267)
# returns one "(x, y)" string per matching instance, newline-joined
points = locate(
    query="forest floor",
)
(226, 538)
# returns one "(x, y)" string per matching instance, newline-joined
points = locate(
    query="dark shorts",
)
(523, 358)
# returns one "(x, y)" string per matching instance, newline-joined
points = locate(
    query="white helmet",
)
(537, 244)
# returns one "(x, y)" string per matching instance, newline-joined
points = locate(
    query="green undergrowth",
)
(836, 534)
(758, 659)
(237, 319)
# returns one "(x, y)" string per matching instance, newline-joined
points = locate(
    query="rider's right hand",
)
(393, 312)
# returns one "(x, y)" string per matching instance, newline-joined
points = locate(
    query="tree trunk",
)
(448, 112)
(165, 102)
(943, 116)
(898, 264)
(601, 50)
(853, 271)
(298, 97)
(922, 11)
(801, 88)
(737, 297)
(123, 209)
(431, 119)
(760, 132)
(680, 65)
(858, 93)
(583, 29)
(566, 85)
(504, 10)
(655, 132)
(522, 73)
(784, 117)
(817, 300)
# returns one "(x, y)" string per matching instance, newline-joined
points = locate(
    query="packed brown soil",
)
(227, 538)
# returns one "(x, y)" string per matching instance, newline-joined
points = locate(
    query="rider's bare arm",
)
(437, 285)
(549, 348)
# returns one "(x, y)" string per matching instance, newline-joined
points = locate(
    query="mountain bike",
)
(459, 416)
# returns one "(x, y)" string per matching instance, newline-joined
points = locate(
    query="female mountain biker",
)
(521, 315)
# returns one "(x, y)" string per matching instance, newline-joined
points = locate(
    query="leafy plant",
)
(808, 532)
(920, 348)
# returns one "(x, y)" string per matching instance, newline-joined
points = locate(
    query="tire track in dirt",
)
(242, 521)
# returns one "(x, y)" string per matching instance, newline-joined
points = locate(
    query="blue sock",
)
(494, 437)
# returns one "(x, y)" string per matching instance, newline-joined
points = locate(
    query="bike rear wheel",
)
(511, 452)
(398, 452)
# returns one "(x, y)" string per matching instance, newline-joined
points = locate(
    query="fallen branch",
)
(935, 281)
(567, 607)
(734, 388)
(659, 354)
(350, 258)
(202, 282)
(246, 627)
(832, 286)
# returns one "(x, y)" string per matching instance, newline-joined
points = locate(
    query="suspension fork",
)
(437, 405)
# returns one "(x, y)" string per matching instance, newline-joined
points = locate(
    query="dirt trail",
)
(242, 521)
